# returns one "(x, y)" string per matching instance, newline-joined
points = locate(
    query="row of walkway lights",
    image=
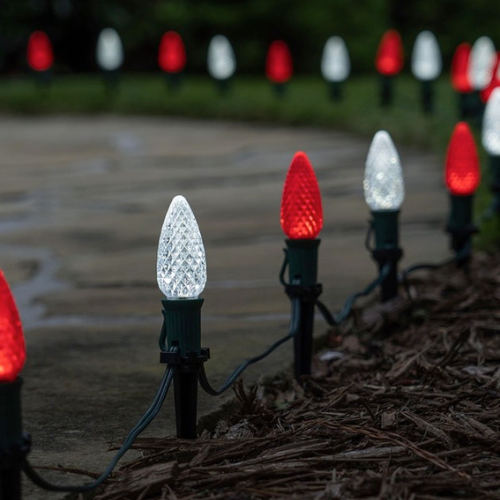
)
(182, 275)
(474, 69)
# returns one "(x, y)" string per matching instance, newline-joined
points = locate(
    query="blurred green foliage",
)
(251, 25)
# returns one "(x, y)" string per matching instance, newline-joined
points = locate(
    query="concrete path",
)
(82, 204)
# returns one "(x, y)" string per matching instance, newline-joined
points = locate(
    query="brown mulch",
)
(403, 404)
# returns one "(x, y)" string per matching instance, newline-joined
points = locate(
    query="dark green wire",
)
(293, 330)
(137, 429)
(336, 319)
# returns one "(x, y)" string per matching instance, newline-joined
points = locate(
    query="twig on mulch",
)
(407, 407)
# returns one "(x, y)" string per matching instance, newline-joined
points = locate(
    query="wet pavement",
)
(82, 203)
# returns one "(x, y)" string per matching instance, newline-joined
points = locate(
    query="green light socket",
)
(460, 212)
(335, 91)
(303, 261)
(11, 432)
(386, 229)
(427, 90)
(386, 90)
(182, 321)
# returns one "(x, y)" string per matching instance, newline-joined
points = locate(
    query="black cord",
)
(138, 429)
(336, 319)
(294, 328)
(458, 257)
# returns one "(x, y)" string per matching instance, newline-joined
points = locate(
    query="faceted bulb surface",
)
(221, 61)
(12, 347)
(481, 62)
(181, 264)
(335, 63)
(383, 183)
(109, 52)
(491, 124)
(462, 174)
(301, 208)
(426, 62)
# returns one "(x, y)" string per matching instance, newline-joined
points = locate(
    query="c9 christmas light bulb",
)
(335, 62)
(12, 346)
(301, 209)
(491, 124)
(383, 183)
(109, 50)
(426, 63)
(221, 61)
(181, 264)
(481, 62)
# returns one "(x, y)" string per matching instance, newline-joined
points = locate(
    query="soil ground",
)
(404, 403)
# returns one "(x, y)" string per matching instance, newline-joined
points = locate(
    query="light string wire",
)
(293, 330)
(145, 420)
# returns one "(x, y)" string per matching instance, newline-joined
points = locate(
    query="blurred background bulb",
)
(109, 50)
(481, 62)
(221, 60)
(335, 62)
(491, 124)
(426, 62)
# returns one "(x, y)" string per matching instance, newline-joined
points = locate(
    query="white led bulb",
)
(383, 184)
(491, 124)
(335, 62)
(221, 61)
(426, 62)
(181, 266)
(109, 52)
(481, 62)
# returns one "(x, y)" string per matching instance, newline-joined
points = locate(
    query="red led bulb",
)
(460, 68)
(40, 54)
(462, 173)
(390, 58)
(279, 67)
(12, 348)
(172, 54)
(301, 209)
